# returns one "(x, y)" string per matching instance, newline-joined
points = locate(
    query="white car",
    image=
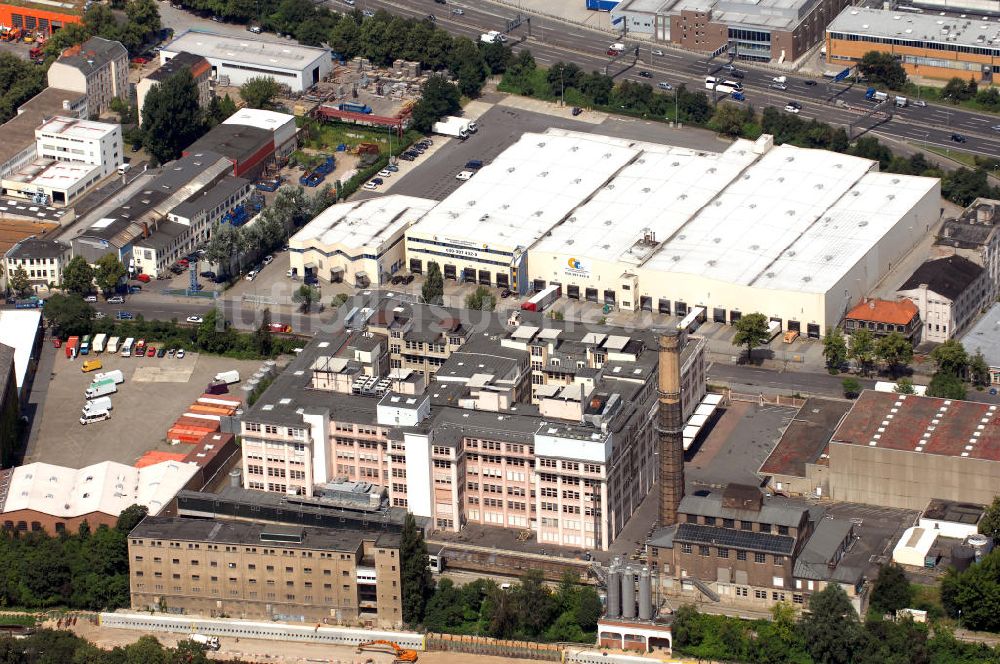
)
(267, 259)
(657, 51)
(116, 299)
(194, 319)
(251, 275)
(385, 173)
(370, 186)
(180, 353)
(793, 107)
(458, 12)
(663, 85)
(464, 175)
(90, 298)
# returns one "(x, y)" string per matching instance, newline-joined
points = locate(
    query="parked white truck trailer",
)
(115, 375)
(230, 377)
(112, 346)
(454, 127)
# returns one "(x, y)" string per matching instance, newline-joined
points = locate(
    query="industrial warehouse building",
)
(359, 242)
(240, 59)
(903, 451)
(797, 234)
(926, 45)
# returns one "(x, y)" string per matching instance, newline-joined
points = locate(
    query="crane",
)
(402, 654)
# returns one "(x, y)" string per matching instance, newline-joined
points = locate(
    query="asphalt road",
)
(553, 41)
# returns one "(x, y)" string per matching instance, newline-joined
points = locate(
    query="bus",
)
(722, 85)
(127, 347)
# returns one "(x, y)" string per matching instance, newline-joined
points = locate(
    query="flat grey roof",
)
(276, 54)
(33, 247)
(984, 336)
(19, 131)
(239, 532)
(210, 198)
(920, 28)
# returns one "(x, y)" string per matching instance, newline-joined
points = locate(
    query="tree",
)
(979, 370)
(862, 349)
(989, 525)
(219, 109)
(895, 350)
(78, 276)
(951, 358)
(946, 386)
(338, 300)
(130, 518)
(534, 602)
(830, 629)
(851, 387)
(496, 55)
(262, 337)
(892, 590)
(904, 386)
(482, 299)
(834, 349)
(108, 272)
(19, 282)
(974, 595)
(958, 90)
(467, 63)
(259, 92)
(883, 69)
(751, 331)
(69, 314)
(171, 117)
(729, 118)
(417, 584)
(438, 99)
(305, 296)
(222, 247)
(432, 291)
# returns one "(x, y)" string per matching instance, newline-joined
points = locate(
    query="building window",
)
(685, 548)
(722, 553)
(760, 594)
(779, 560)
(759, 558)
(703, 550)
(741, 555)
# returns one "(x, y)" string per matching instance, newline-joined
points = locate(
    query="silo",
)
(628, 593)
(645, 595)
(962, 557)
(614, 608)
(980, 544)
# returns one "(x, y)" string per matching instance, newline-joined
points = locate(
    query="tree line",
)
(71, 316)
(62, 647)
(84, 570)
(134, 24)
(830, 632)
(528, 610)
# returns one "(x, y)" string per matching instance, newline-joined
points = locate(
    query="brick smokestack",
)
(670, 427)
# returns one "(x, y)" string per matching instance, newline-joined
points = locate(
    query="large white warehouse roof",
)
(213, 46)
(363, 223)
(527, 189)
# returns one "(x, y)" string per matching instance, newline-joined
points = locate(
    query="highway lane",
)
(552, 41)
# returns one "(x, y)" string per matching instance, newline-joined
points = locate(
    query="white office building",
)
(81, 141)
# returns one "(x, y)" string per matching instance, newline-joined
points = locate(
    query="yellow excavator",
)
(403, 656)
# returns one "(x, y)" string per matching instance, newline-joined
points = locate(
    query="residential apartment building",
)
(737, 547)
(975, 235)
(195, 65)
(42, 260)
(568, 458)
(98, 68)
(950, 293)
(265, 571)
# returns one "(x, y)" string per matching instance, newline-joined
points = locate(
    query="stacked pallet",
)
(202, 418)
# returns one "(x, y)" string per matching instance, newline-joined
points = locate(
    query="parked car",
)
(208, 274)
(378, 181)
(392, 168)
(180, 353)
(506, 292)
(267, 259)
(408, 279)
(194, 319)
(256, 29)
(90, 298)
(251, 275)
(116, 299)
(161, 353)
(384, 173)
(577, 111)
(171, 352)
(370, 186)
(395, 281)
(124, 315)
(150, 352)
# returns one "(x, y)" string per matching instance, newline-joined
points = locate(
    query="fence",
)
(481, 645)
(762, 399)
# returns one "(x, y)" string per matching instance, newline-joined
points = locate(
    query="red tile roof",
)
(895, 312)
(935, 426)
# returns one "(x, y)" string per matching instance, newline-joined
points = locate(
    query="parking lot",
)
(156, 391)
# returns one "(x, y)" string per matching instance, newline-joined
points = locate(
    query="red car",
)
(150, 352)
(139, 60)
(144, 278)
(280, 327)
